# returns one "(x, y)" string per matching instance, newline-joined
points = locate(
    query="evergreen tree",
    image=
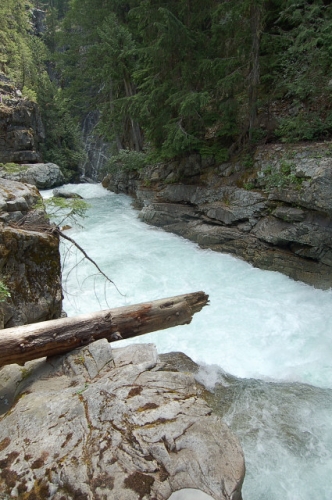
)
(189, 76)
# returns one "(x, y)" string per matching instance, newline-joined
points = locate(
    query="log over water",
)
(48, 338)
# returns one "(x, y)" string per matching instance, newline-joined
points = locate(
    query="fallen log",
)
(48, 338)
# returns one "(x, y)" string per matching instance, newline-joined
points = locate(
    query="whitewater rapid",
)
(270, 333)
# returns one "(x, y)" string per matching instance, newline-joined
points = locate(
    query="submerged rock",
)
(112, 424)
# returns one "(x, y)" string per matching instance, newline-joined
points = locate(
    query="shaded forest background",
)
(173, 77)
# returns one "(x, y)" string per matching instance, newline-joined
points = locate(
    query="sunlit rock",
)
(102, 423)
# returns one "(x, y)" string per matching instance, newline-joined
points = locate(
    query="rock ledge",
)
(111, 424)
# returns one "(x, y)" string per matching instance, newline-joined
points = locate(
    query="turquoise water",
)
(263, 343)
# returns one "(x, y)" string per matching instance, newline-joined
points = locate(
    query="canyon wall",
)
(273, 209)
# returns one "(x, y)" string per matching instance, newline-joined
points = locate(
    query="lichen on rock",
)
(77, 432)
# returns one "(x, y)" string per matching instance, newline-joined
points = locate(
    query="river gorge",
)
(263, 344)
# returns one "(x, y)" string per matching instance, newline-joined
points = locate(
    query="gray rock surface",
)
(111, 424)
(41, 175)
(16, 199)
(282, 221)
(97, 151)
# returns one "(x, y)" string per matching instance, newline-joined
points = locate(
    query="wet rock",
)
(61, 193)
(97, 150)
(38, 21)
(102, 423)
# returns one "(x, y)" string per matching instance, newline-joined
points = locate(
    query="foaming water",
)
(260, 326)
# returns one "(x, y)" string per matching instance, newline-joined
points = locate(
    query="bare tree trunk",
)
(117, 138)
(48, 338)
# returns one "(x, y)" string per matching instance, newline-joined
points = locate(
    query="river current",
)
(264, 343)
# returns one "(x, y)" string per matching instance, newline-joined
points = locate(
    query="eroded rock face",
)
(111, 424)
(277, 216)
(29, 258)
(21, 127)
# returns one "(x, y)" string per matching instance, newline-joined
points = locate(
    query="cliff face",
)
(275, 213)
(21, 128)
(29, 258)
(96, 149)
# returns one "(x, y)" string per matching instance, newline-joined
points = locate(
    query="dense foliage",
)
(182, 76)
(177, 76)
(26, 58)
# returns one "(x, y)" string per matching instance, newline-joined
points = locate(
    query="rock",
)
(15, 196)
(38, 21)
(41, 175)
(21, 128)
(29, 257)
(284, 224)
(289, 214)
(102, 423)
(61, 193)
(97, 151)
(236, 205)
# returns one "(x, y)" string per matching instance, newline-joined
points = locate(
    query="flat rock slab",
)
(112, 424)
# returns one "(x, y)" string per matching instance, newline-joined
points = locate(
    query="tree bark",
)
(48, 338)
(256, 25)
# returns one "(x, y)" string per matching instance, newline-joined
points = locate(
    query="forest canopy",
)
(173, 77)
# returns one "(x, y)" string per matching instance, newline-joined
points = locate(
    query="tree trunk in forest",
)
(256, 24)
(117, 138)
(48, 338)
(135, 131)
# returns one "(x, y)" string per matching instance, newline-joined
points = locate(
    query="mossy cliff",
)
(29, 258)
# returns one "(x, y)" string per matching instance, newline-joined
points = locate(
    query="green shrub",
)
(281, 177)
(4, 292)
(63, 210)
(126, 160)
(29, 94)
(12, 168)
(304, 127)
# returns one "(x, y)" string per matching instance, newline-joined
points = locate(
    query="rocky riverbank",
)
(272, 210)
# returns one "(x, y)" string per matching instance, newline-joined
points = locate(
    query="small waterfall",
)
(97, 150)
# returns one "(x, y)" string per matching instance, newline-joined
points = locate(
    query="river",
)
(264, 342)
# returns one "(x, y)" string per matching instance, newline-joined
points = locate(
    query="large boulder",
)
(41, 175)
(111, 424)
